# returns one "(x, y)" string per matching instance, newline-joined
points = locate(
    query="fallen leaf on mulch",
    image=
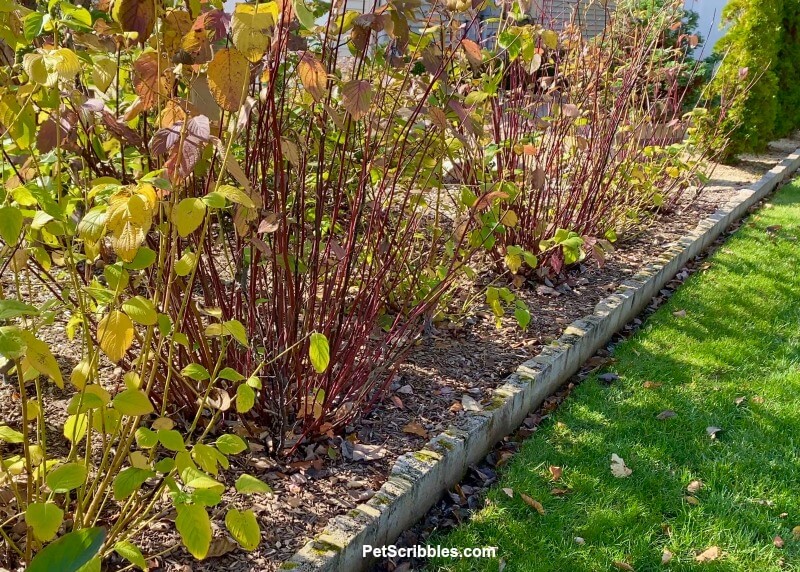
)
(221, 545)
(406, 390)
(778, 541)
(509, 492)
(694, 486)
(623, 566)
(555, 472)
(712, 431)
(651, 385)
(618, 467)
(469, 403)
(668, 414)
(362, 452)
(415, 428)
(709, 554)
(398, 402)
(533, 503)
(666, 556)
(679, 314)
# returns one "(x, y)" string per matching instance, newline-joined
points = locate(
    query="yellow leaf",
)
(550, 39)
(33, 64)
(312, 75)
(228, 75)
(235, 195)
(115, 335)
(251, 28)
(514, 262)
(63, 62)
(510, 219)
(80, 374)
(41, 358)
(188, 215)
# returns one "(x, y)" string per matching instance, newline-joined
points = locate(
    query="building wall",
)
(709, 21)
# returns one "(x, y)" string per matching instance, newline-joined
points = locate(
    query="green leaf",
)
(236, 329)
(230, 374)
(130, 480)
(9, 435)
(243, 526)
(304, 15)
(75, 427)
(245, 398)
(231, 444)
(132, 402)
(145, 438)
(41, 358)
(207, 457)
(171, 439)
(141, 310)
(194, 526)
(130, 552)
(248, 484)
(319, 352)
(188, 215)
(45, 519)
(70, 552)
(523, 316)
(32, 25)
(10, 224)
(67, 477)
(12, 343)
(195, 371)
(143, 259)
(197, 479)
(10, 309)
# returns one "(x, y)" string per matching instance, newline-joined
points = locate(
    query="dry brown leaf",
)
(739, 400)
(651, 385)
(758, 399)
(362, 452)
(778, 541)
(709, 554)
(470, 404)
(668, 414)
(712, 431)
(618, 467)
(666, 556)
(509, 492)
(560, 492)
(415, 428)
(555, 472)
(623, 566)
(691, 500)
(796, 533)
(679, 314)
(533, 503)
(694, 486)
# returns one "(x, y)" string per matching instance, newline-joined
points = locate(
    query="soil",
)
(468, 356)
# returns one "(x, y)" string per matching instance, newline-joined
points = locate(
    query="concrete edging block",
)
(418, 478)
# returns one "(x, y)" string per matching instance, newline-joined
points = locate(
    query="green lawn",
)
(740, 337)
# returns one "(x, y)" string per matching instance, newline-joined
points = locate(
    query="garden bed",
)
(466, 357)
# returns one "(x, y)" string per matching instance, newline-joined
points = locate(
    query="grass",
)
(740, 337)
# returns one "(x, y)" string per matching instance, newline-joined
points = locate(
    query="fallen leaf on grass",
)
(509, 492)
(709, 554)
(560, 492)
(469, 404)
(666, 556)
(668, 414)
(679, 314)
(608, 377)
(618, 467)
(691, 500)
(694, 486)
(712, 431)
(739, 400)
(362, 452)
(623, 566)
(415, 428)
(778, 541)
(533, 503)
(651, 385)
(796, 533)
(555, 472)
(579, 540)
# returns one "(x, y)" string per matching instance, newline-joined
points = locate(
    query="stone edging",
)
(418, 478)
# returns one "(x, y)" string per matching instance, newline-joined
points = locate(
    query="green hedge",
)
(763, 38)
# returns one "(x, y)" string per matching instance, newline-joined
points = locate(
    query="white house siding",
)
(708, 25)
